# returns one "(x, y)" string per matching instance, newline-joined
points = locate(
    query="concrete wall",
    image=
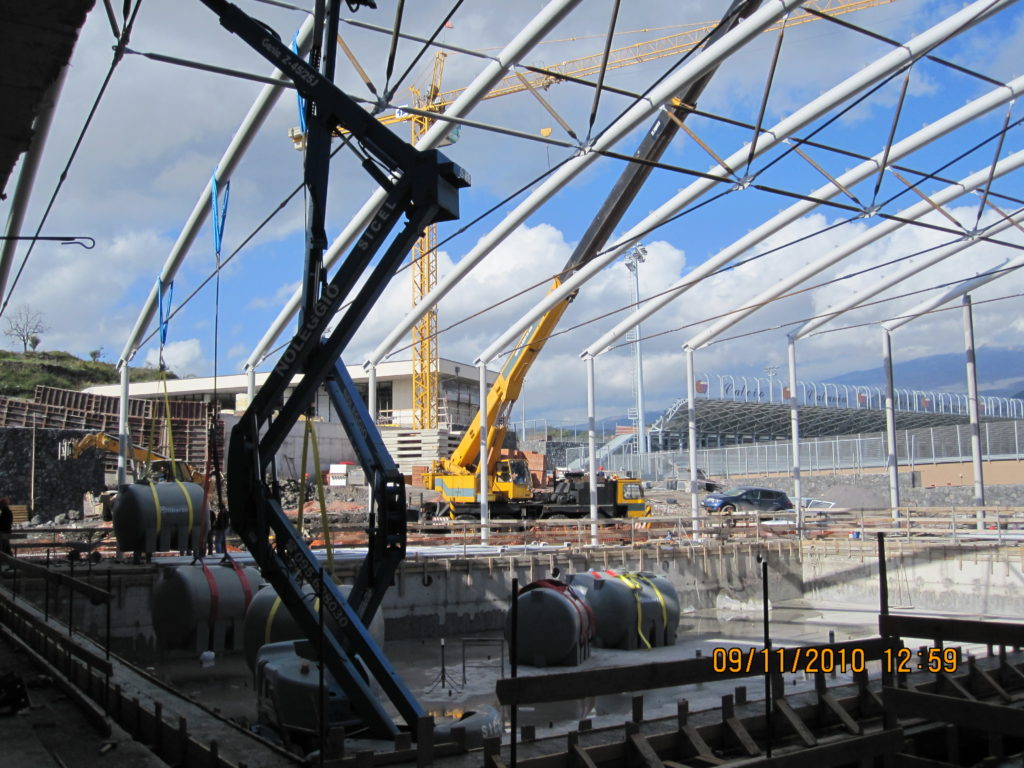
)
(443, 598)
(974, 579)
(334, 445)
(453, 597)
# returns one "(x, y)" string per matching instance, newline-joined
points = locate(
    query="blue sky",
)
(161, 129)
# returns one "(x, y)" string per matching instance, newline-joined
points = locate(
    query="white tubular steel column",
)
(250, 382)
(371, 406)
(485, 516)
(892, 460)
(691, 437)
(794, 428)
(123, 436)
(592, 447)
(972, 405)
(371, 392)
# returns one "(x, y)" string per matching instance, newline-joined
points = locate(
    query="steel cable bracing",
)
(122, 43)
(896, 44)
(857, 217)
(629, 159)
(874, 323)
(886, 66)
(726, 268)
(426, 46)
(604, 66)
(834, 281)
(393, 48)
(346, 140)
(956, 159)
(671, 168)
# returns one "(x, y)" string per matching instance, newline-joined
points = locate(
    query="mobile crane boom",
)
(455, 477)
(424, 187)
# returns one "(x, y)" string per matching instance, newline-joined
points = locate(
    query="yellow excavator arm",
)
(109, 444)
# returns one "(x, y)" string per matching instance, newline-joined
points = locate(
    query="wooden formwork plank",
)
(978, 715)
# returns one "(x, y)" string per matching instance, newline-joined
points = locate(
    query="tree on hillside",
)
(25, 325)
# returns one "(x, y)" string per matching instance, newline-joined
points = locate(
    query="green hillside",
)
(20, 372)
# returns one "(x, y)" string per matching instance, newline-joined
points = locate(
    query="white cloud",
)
(184, 358)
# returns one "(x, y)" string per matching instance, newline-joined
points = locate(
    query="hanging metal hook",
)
(86, 242)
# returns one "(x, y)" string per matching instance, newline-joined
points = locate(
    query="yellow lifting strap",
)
(324, 522)
(273, 612)
(302, 478)
(661, 597)
(270, 619)
(170, 433)
(637, 588)
(188, 502)
(156, 503)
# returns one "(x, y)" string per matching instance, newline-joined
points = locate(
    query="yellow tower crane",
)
(424, 265)
(424, 277)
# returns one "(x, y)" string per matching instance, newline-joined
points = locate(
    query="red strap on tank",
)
(596, 574)
(612, 573)
(214, 594)
(244, 581)
(574, 600)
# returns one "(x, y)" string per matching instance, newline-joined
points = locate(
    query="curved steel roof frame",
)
(236, 150)
(914, 212)
(955, 119)
(697, 66)
(888, 64)
(925, 261)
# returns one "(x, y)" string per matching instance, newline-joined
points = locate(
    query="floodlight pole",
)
(691, 437)
(794, 422)
(892, 460)
(972, 405)
(592, 447)
(485, 517)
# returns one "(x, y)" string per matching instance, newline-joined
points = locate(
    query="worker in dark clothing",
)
(6, 524)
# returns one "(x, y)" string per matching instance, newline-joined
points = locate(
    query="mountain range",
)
(1000, 372)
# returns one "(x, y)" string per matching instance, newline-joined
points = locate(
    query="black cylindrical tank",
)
(555, 626)
(631, 610)
(269, 621)
(158, 517)
(202, 607)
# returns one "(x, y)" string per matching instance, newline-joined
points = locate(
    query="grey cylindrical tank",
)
(269, 621)
(631, 610)
(555, 627)
(158, 517)
(202, 607)
(287, 687)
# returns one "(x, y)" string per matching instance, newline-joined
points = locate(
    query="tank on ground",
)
(631, 610)
(202, 607)
(555, 626)
(268, 621)
(158, 517)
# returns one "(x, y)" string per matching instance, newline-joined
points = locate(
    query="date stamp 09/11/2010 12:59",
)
(897, 660)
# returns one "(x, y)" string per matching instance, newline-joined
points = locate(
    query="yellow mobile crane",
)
(510, 492)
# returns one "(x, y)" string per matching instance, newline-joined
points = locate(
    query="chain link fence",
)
(928, 445)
